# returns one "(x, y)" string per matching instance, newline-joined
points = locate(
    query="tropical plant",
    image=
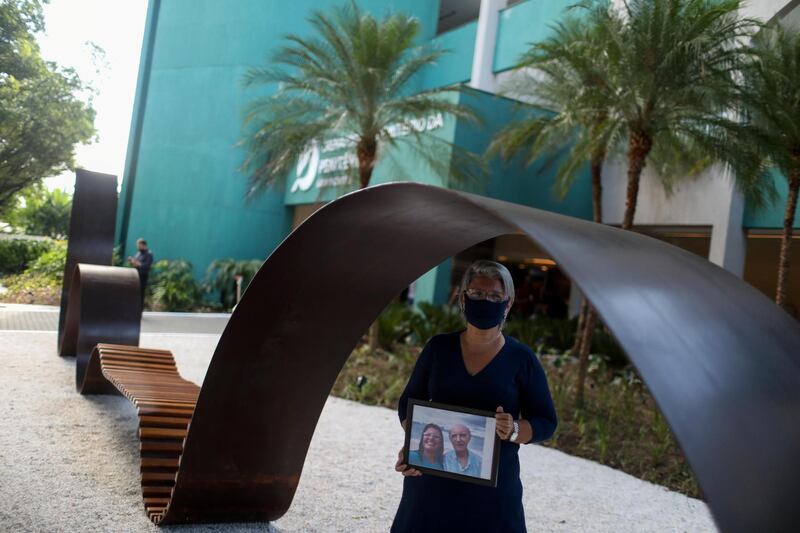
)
(116, 256)
(42, 212)
(662, 87)
(17, 253)
(567, 76)
(560, 78)
(173, 287)
(51, 263)
(394, 324)
(771, 108)
(41, 115)
(431, 320)
(40, 283)
(543, 333)
(671, 67)
(221, 277)
(351, 83)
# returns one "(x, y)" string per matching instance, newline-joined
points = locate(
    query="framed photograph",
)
(453, 442)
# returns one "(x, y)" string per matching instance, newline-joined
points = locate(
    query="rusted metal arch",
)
(104, 306)
(721, 360)
(91, 231)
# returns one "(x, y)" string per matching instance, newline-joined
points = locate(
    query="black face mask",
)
(484, 314)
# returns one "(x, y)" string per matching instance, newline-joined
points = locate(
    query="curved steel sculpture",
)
(721, 360)
(91, 231)
(104, 306)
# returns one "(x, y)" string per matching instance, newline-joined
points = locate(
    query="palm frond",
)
(350, 78)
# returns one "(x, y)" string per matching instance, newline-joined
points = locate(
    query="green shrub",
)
(16, 254)
(43, 212)
(172, 286)
(221, 277)
(431, 320)
(51, 263)
(116, 256)
(554, 335)
(603, 342)
(394, 324)
(542, 333)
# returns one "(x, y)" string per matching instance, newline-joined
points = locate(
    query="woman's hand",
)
(403, 468)
(505, 424)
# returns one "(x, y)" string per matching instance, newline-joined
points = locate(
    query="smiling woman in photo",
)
(478, 368)
(431, 448)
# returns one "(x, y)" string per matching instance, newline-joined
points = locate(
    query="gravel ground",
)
(70, 463)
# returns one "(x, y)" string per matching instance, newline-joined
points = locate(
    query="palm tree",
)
(664, 81)
(565, 76)
(353, 79)
(771, 106)
(669, 82)
(221, 276)
(671, 64)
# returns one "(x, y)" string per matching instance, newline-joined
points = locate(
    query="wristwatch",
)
(514, 432)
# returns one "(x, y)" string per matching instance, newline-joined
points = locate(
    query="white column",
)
(482, 77)
(728, 240)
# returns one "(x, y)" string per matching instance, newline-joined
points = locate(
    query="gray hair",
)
(450, 429)
(491, 270)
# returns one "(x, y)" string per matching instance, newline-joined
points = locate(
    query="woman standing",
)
(481, 368)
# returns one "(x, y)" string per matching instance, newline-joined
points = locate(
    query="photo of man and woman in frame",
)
(452, 442)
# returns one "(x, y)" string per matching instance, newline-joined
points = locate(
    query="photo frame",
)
(453, 442)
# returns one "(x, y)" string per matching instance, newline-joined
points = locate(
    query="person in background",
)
(142, 261)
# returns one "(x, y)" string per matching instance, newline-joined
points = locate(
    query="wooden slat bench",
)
(165, 403)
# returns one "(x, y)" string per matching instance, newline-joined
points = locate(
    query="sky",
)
(116, 26)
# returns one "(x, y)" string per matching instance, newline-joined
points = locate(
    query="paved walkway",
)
(20, 317)
(71, 462)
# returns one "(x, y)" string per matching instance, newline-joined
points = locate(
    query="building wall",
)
(182, 182)
(523, 24)
(512, 180)
(707, 199)
(183, 190)
(771, 217)
(455, 64)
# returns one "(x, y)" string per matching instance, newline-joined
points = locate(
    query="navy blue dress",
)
(515, 380)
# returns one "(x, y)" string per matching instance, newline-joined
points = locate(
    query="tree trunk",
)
(576, 346)
(597, 213)
(365, 151)
(786, 240)
(583, 361)
(597, 185)
(639, 146)
(586, 323)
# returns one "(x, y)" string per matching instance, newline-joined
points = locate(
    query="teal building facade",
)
(183, 188)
